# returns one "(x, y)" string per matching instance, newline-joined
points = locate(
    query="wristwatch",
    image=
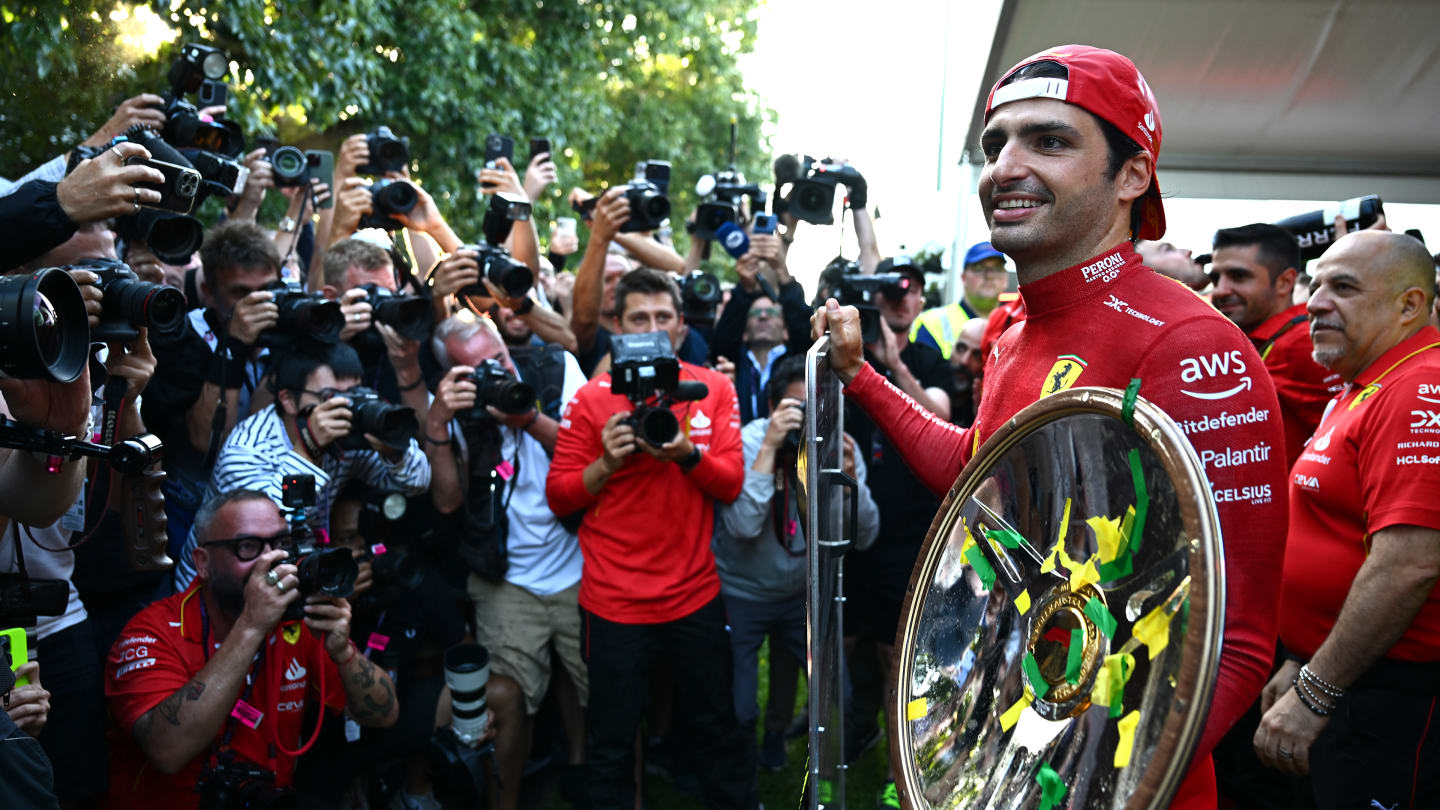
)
(688, 463)
(287, 224)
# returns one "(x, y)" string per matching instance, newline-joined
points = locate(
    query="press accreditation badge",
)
(74, 518)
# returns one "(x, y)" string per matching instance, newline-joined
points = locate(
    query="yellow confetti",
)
(1082, 575)
(1126, 727)
(1108, 536)
(969, 538)
(1064, 522)
(1022, 602)
(1154, 630)
(1012, 714)
(916, 709)
(1111, 677)
(1059, 549)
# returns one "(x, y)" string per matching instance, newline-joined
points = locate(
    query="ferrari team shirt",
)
(1373, 463)
(1302, 385)
(646, 537)
(161, 649)
(1101, 323)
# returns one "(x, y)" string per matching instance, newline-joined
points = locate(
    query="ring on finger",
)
(1286, 754)
(280, 586)
(271, 577)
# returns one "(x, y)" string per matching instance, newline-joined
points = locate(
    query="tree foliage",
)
(609, 83)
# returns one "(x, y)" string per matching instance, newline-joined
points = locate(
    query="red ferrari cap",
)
(1110, 86)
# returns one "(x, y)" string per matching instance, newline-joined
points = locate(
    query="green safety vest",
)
(943, 324)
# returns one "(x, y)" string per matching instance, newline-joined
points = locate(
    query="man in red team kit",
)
(1254, 270)
(1355, 704)
(649, 585)
(1070, 143)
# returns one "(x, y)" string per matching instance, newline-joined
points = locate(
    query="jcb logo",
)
(1425, 419)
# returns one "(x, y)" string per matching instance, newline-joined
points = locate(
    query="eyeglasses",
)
(768, 312)
(247, 547)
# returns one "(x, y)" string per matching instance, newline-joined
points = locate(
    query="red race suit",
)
(1101, 323)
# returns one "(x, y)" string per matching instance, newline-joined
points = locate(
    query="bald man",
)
(967, 362)
(1355, 704)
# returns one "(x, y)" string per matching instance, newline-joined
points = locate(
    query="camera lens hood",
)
(44, 331)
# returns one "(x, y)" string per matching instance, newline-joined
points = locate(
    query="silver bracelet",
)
(1320, 684)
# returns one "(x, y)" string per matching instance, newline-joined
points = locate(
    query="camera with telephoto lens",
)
(387, 153)
(1315, 230)
(859, 290)
(173, 238)
(496, 386)
(410, 315)
(810, 195)
(303, 316)
(643, 367)
(389, 197)
(290, 166)
(44, 331)
(323, 570)
(186, 128)
(511, 277)
(700, 293)
(234, 785)
(395, 425)
(722, 198)
(649, 207)
(130, 303)
(221, 174)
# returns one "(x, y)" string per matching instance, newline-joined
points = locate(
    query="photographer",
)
(649, 586)
(595, 317)
(214, 679)
(212, 366)
(760, 548)
(521, 320)
(1254, 271)
(525, 577)
(301, 433)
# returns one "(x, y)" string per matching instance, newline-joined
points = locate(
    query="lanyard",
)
(250, 676)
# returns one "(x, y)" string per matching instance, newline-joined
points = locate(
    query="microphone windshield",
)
(690, 390)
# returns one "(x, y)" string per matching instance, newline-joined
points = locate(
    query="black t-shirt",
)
(906, 505)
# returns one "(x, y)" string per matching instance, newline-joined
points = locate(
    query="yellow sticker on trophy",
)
(1022, 602)
(1108, 536)
(1154, 630)
(969, 538)
(1012, 714)
(1058, 550)
(916, 709)
(1082, 575)
(1126, 745)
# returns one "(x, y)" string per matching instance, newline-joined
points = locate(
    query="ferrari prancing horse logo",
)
(1063, 374)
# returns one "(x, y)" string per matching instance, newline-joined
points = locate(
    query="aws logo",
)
(1196, 369)
(1432, 390)
(1063, 374)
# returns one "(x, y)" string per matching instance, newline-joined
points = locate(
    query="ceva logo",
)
(1195, 369)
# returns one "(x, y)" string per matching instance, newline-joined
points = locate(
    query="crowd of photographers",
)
(349, 505)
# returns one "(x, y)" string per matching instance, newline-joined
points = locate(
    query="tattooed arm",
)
(369, 692)
(183, 725)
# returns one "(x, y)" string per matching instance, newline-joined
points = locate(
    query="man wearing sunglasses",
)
(215, 675)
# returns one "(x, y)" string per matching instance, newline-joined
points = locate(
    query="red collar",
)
(1397, 354)
(1276, 322)
(1089, 279)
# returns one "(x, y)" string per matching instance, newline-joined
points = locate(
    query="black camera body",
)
(722, 200)
(496, 264)
(700, 293)
(389, 197)
(303, 316)
(1315, 230)
(496, 386)
(410, 315)
(185, 129)
(860, 290)
(130, 303)
(644, 367)
(173, 238)
(233, 785)
(811, 193)
(323, 570)
(395, 425)
(222, 174)
(649, 207)
(388, 153)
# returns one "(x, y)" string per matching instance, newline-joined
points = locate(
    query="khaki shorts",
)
(518, 627)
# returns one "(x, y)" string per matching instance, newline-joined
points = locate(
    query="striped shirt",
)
(258, 455)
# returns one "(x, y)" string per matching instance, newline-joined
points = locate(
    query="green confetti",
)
(1117, 688)
(977, 560)
(1077, 649)
(1095, 609)
(1121, 566)
(1006, 537)
(1127, 407)
(1032, 673)
(1142, 500)
(1052, 787)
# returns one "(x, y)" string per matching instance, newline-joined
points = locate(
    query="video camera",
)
(410, 315)
(700, 293)
(811, 193)
(395, 425)
(643, 367)
(130, 304)
(303, 316)
(722, 197)
(329, 571)
(496, 386)
(387, 198)
(388, 153)
(857, 289)
(44, 331)
(1315, 230)
(511, 277)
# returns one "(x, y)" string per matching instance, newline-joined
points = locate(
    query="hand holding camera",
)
(456, 394)
(329, 422)
(676, 449)
(106, 186)
(455, 273)
(92, 294)
(352, 203)
(254, 314)
(135, 364)
(260, 179)
(354, 153)
(357, 310)
(788, 416)
(146, 109)
(610, 214)
(618, 440)
(423, 217)
(329, 617)
(267, 597)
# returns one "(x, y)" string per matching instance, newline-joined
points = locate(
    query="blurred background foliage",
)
(608, 83)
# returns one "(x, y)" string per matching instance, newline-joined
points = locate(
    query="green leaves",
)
(444, 72)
